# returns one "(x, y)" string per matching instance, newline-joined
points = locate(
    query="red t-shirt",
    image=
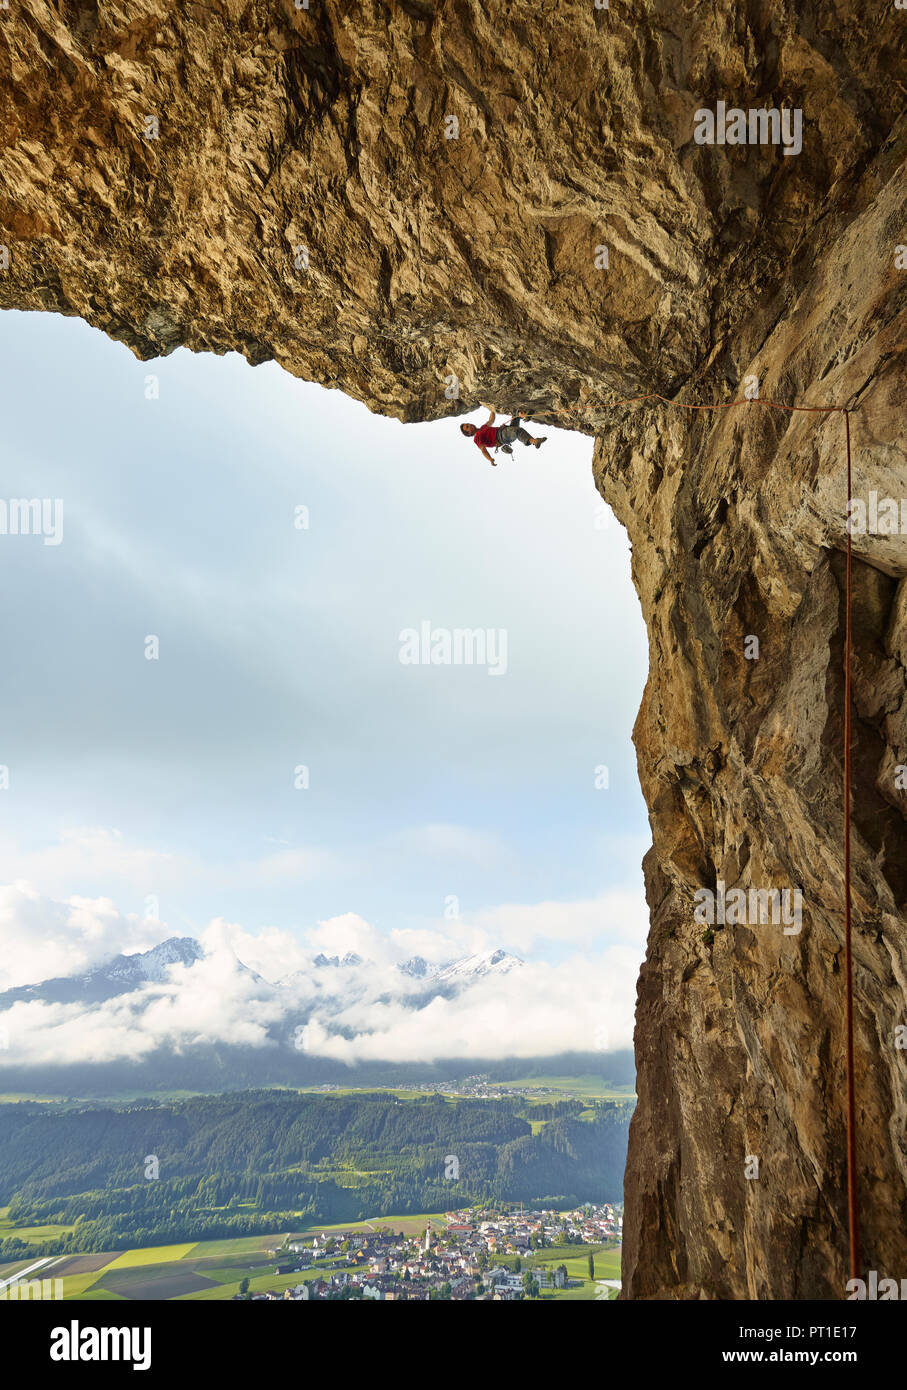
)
(487, 435)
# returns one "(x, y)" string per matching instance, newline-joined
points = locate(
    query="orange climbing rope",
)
(852, 1204)
(853, 1211)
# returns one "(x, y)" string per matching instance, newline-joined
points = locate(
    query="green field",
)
(151, 1255)
(407, 1224)
(576, 1258)
(591, 1087)
(30, 1234)
(211, 1271)
(12, 1097)
(607, 1264)
(361, 1091)
(587, 1293)
(77, 1285)
(242, 1245)
(110, 1098)
(33, 1234)
(260, 1283)
(203, 1269)
(586, 1087)
(12, 1267)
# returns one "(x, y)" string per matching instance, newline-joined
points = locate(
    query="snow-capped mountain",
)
(463, 970)
(476, 967)
(457, 972)
(153, 965)
(417, 968)
(123, 974)
(204, 1020)
(116, 976)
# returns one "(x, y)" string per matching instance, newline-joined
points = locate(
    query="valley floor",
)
(217, 1270)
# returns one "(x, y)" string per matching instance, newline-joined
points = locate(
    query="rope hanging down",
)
(853, 1211)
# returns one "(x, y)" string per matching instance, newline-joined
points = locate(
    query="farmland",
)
(208, 1268)
(32, 1235)
(217, 1270)
(243, 1166)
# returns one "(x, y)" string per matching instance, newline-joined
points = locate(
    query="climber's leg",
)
(508, 433)
(516, 431)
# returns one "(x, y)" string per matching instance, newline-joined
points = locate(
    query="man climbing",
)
(488, 436)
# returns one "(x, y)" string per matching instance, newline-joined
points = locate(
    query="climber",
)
(502, 436)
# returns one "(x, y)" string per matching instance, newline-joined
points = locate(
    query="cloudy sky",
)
(448, 809)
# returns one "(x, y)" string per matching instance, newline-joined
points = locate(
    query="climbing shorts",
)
(508, 433)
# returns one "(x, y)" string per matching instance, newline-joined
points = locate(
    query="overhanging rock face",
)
(425, 205)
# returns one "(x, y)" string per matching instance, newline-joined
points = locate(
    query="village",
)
(478, 1087)
(490, 1255)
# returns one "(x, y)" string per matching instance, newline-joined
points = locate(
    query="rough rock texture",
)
(475, 257)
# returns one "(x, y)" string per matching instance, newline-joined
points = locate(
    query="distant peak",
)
(184, 948)
(495, 962)
(417, 967)
(349, 959)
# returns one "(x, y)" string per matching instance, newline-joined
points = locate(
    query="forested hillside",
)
(267, 1160)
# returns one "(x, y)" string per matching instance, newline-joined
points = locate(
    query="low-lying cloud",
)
(263, 989)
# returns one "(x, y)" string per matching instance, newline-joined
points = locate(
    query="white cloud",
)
(352, 1014)
(582, 1004)
(208, 1003)
(41, 937)
(87, 852)
(349, 933)
(617, 916)
(101, 854)
(271, 952)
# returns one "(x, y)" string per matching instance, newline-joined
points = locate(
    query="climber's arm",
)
(486, 454)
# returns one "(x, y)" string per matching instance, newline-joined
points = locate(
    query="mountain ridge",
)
(120, 975)
(123, 974)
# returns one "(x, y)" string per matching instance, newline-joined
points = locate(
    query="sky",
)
(275, 779)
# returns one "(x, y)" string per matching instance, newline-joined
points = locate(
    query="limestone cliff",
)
(406, 199)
